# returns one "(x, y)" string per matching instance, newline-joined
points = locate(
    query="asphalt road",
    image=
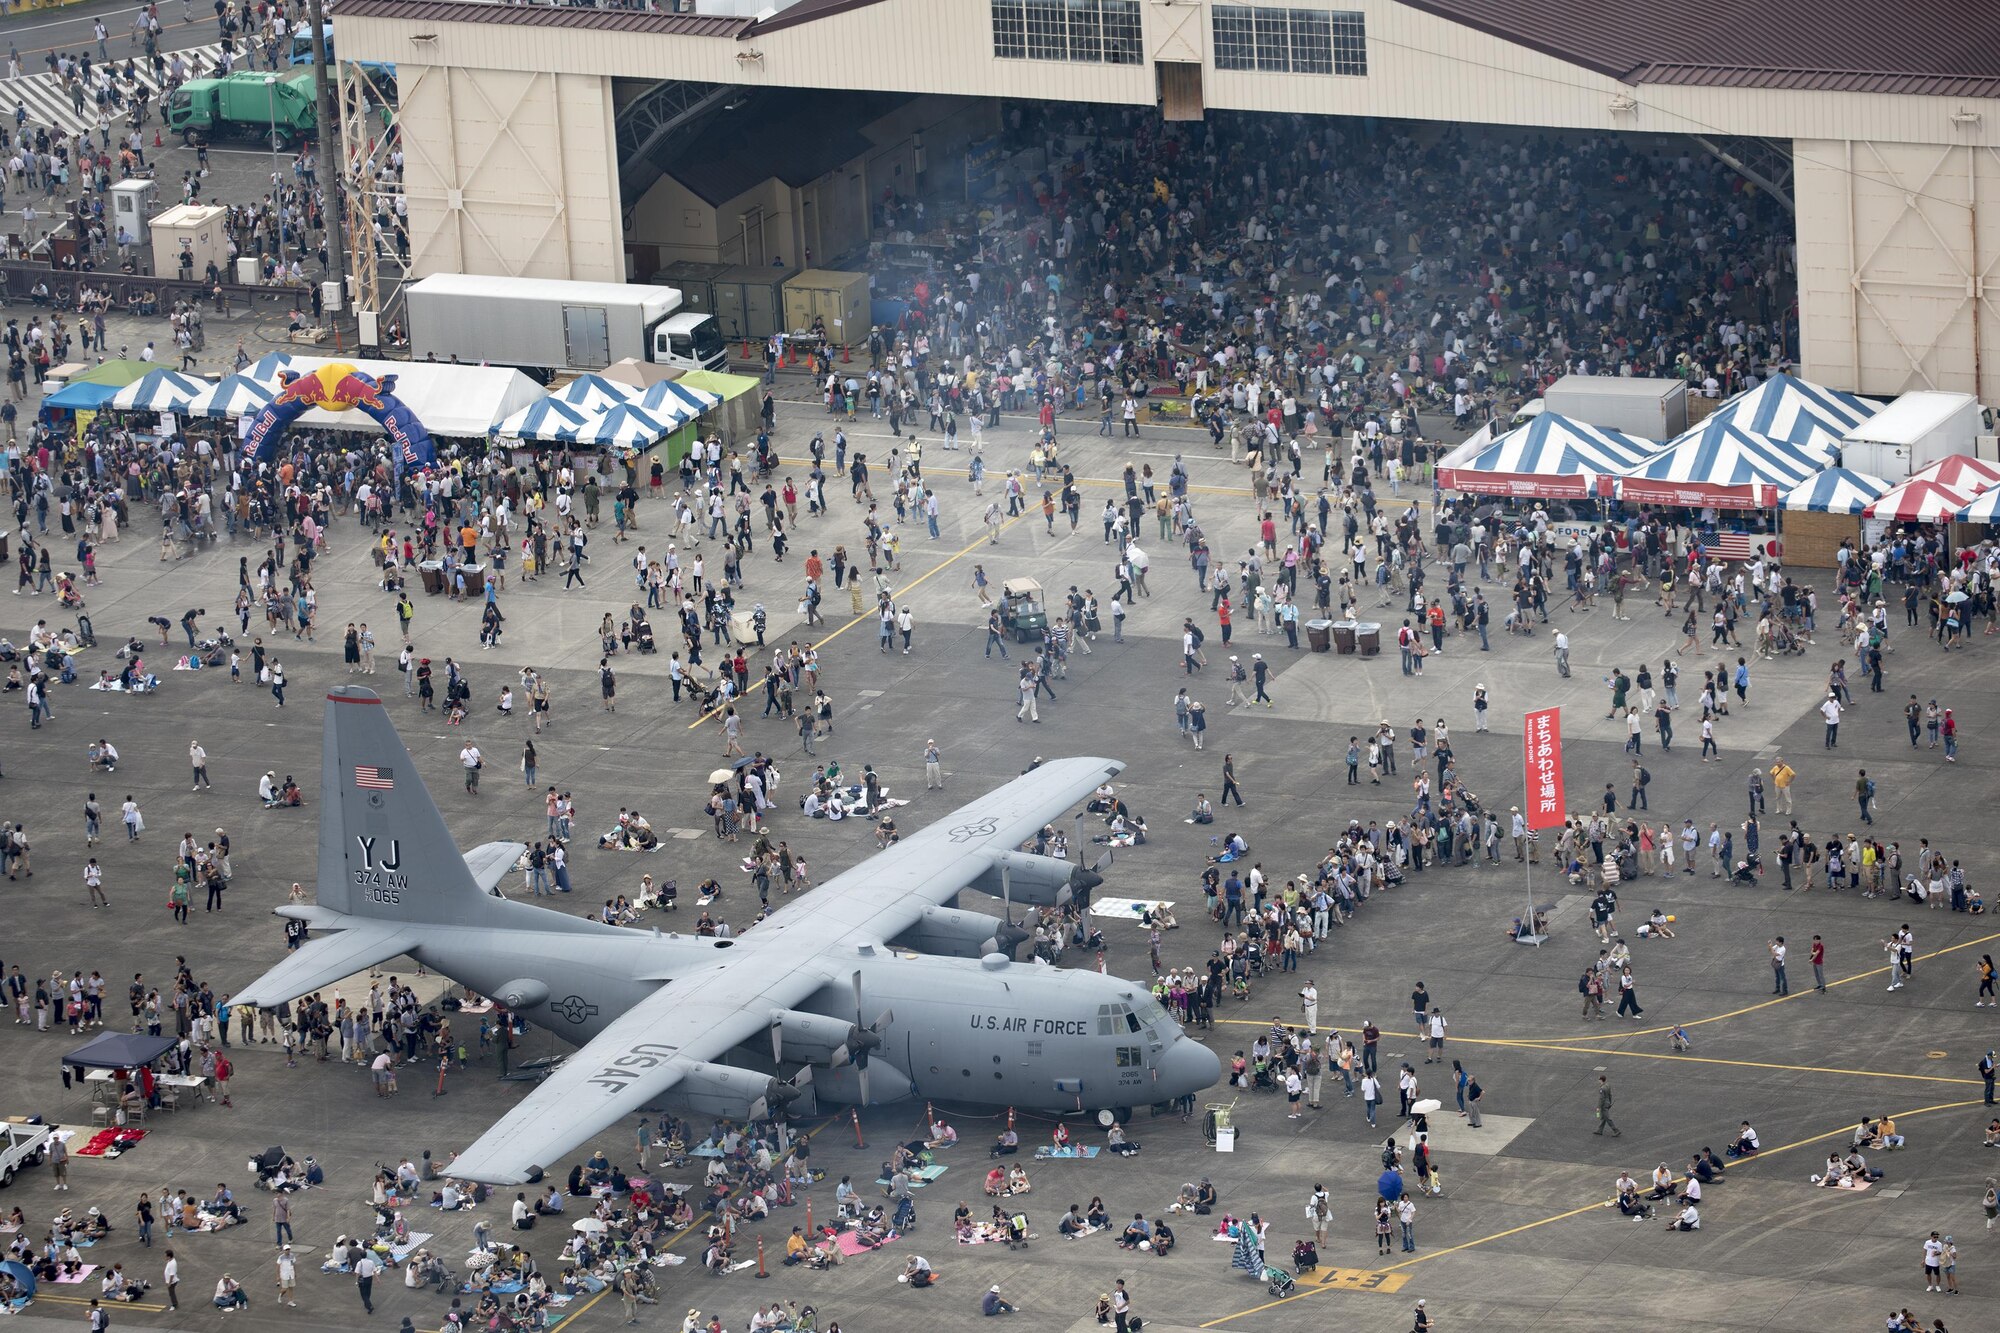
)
(37, 32)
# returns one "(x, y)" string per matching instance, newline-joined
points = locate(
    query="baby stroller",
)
(1277, 1281)
(85, 632)
(1305, 1257)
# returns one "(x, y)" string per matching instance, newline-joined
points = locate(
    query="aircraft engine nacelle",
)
(525, 993)
(950, 932)
(812, 1039)
(722, 1090)
(1040, 880)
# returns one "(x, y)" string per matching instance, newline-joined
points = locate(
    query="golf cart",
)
(1022, 611)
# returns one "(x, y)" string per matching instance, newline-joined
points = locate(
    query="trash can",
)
(1319, 635)
(1368, 634)
(743, 628)
(475, 580)
(1343, 636)
(432, 573)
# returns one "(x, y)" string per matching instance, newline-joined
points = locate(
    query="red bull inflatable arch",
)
(340, 387)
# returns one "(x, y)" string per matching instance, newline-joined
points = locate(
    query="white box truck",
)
(544, 326)
(1648, 408)
(1913, 432)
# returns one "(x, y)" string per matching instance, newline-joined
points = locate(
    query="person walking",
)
(1229, 787)
(365, 1269)
(1830, 710)
(170, 1278)
(1864, 794)
(472, 761)
(59, 1163)
(1782, 775)
(1628, 995)
(281, 1217)
(198, 758)
(1604, 1120)
(1987, 1071)
(288, 1275)
(1371, 1095)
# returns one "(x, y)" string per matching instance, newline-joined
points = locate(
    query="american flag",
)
(373, 778)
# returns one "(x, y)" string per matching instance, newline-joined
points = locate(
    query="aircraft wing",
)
(354, 945)
(667, 1038)
(490, 861)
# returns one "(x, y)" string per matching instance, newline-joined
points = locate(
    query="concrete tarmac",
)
(1521, 1240)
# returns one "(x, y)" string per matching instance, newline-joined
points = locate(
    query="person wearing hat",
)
(288, 1274)
(993, 1303)
(1423, 1324)
(933, 766)
(1237, 679)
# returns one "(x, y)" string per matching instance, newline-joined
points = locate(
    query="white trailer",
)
(545, 326)
(1651, 409)
(1912, 433)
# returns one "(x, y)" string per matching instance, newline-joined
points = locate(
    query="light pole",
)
(271, 98)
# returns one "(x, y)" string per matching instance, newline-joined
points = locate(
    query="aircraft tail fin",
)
(384, 851)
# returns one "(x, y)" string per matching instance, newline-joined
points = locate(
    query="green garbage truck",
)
(276, 109)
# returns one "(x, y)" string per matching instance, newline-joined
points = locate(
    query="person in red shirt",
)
(1818, 956)
(1222, 619)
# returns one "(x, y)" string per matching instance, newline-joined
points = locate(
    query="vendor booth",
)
(1824, 512)
(1552, 457)
(1793, 411)
(448, 399)
(1720, 465)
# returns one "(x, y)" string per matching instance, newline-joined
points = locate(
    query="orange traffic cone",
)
(846, 354)
(156, 139)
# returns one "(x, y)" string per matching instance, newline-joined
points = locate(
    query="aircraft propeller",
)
(1009, 935)
(864, 1038)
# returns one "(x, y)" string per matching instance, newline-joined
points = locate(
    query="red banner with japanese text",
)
(1542, 768)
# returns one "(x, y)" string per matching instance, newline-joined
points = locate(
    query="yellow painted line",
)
(42, 1295)
(1738, 1064)
(916, 582)
(1766, 1004)
(1361, 1279)
(1573, 1212)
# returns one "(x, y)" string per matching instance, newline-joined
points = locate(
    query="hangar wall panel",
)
(510, 172)
(1899, 266)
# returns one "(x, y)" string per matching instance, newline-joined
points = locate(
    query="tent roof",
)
(1960, 472)
(1722, 454)
(643, 374)
(81, 396)
(117, 372)
(448, 399)
(1919, 501)
(159, 390)
(1835, 491)
(546, 421)
(118, 1050)
(1549, 446)
(232, 396)
(723, 385)
(1793, 411)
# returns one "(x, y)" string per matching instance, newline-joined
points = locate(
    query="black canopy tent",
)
(119, 1050)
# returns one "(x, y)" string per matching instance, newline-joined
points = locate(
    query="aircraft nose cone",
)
(1082, 880)
(1187, 1067)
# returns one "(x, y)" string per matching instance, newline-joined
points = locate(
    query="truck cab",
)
(690, 341)
(22, 1145)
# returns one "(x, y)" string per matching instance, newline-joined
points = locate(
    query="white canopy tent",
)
(233, 396)
(447, 399)
(158, 391)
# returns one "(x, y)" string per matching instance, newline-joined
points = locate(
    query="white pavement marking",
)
(49, 103)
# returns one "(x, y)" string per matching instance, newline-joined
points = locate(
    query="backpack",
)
(1645, 777)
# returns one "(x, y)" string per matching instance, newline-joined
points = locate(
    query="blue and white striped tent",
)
(1793, 411)
(158, 391)
(232, 396)
(1721, 465)
(670, 397)
(625, 427)
(1550, 456)
(548, 421)
(1985, 509)
(1835, 491)
(592, 394)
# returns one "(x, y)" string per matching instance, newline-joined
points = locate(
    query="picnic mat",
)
(920, 1177)
(398, 1253)
(81, 1274)
(1125, 909)
(850, 1244)
(103, 1139)
(1046, 1154)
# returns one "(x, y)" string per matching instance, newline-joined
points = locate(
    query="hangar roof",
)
(1947, 48)
(547, 16)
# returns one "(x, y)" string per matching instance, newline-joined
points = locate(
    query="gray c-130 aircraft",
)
(872, 983)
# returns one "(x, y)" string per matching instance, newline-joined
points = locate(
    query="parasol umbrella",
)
(587, 1224)
(723, 775)
(1958, 596)
(1427, 1106)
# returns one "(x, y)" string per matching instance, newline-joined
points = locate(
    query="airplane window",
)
(1131, 1021)
(1129, 1057)
(1104, 1028)
(1151, 1011)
